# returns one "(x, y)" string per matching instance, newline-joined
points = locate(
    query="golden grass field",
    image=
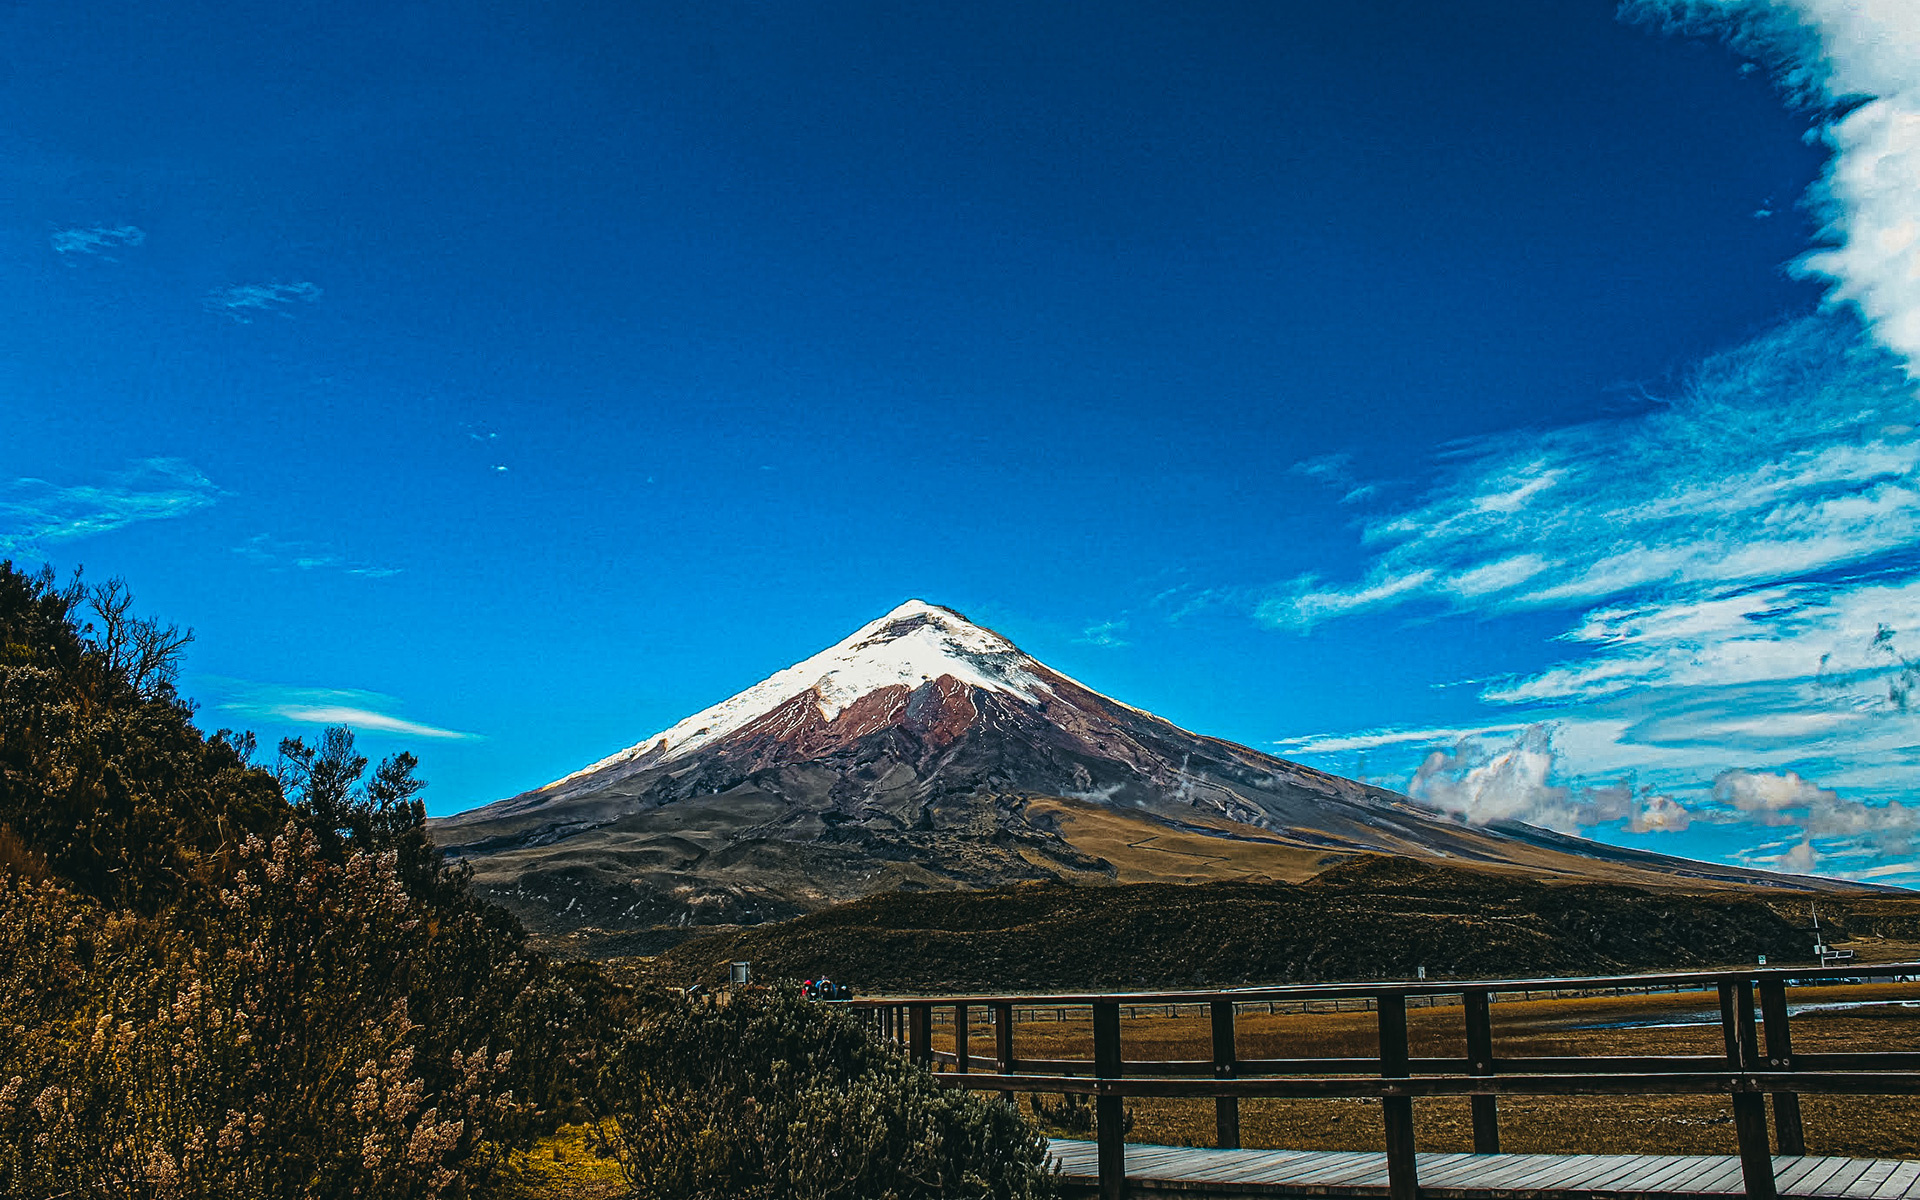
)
(1887, 1018)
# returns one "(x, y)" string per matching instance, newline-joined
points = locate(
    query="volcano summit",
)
(927, 752)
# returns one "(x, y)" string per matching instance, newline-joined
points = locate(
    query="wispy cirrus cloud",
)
(362, 711)
(1737, 565)
(1743, 549)
(1375, 739)
(274, 554)
(37, 512)
(1104, 633)
(1792, 455)
(244, 302)
(1336, 471)
(97, 240)
(1840, 640)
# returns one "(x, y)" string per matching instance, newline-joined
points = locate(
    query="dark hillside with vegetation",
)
(227, 981)
(1366, 919)
(104, 781)
(220, 979)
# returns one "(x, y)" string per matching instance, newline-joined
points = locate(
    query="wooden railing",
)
(1752, 1003)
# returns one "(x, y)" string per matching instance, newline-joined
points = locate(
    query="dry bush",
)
(264, 1051)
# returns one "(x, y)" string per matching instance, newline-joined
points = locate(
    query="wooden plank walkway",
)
(1190, 1171)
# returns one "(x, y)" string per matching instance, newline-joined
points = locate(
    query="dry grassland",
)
(1658, 1024)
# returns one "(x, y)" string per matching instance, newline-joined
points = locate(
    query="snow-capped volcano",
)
(914, 644)
(950, 699)
(924, 751)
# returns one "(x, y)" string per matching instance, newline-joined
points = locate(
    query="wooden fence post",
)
(961, 1050)
(1226, 1059)
(1749, 1108)
(1786, 1105)
(1109, 1111)
(1486, 1109)
(1403, 1181)
(1003, 1044)
(920, 1033)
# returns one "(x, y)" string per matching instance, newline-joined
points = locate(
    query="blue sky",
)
(1514, 406)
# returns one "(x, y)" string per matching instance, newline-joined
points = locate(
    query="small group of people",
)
(825, 989)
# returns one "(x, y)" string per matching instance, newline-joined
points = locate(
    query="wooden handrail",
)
(1653, 1083)
(1788, 976)
(1747, 1073)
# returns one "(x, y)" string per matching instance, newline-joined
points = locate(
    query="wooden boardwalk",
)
(1188, 1171)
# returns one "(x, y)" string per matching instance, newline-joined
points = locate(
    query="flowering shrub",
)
(265, 1050)
(775, 1096)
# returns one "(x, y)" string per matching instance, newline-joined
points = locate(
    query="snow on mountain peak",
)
(914, 644)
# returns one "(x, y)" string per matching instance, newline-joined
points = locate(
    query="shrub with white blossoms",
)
(256, 1046)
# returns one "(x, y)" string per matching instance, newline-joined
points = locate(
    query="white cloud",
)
(1307, 604)
(1328, 468)
(1743, 548)
(1660, 814)
(366, 712)
(1763, 792)
(1666, 773)
(1518, 781)
(1501, 576)
(1522, 779)
(1865, 53)
(97, 240)
(35, 512)
(1833, 835)
(1903, 868)
(246, 301)
(1741, 552)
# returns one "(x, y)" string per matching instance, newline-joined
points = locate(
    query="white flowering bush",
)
(260, 1045)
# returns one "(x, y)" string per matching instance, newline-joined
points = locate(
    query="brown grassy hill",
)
(1367, 918)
